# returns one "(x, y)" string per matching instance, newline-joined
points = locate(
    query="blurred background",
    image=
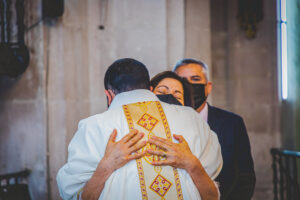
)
(252, 48)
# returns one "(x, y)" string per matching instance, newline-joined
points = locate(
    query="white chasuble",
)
(143, 181)
(156, 182)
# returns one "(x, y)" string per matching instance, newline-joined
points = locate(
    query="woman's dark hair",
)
(187, 89)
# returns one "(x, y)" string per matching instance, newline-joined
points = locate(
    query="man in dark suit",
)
(237, 178)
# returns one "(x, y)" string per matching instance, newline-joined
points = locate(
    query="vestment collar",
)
(133, 96)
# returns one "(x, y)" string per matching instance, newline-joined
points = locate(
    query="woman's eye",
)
(178, 97)
(160, 92)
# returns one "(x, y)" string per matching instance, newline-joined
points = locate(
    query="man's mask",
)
(199, 94)
(168, 98)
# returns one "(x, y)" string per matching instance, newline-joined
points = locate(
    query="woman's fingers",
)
(129, 135)
(180, 138)
(162, 162)
(158, 153)
(163, 140)
(159, 144)
(113, 135)
(137, 146)
(135, 139)
(136, 155)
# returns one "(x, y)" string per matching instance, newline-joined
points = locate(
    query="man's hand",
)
(177, 155)
(117, 154)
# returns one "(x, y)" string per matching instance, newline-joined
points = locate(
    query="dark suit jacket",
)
(237, 178)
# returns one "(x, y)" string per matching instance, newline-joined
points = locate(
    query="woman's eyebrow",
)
(177, 91)
(163, 86)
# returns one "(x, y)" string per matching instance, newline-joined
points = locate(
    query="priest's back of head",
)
(126, 74)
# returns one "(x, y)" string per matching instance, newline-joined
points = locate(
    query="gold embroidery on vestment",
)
(157, 181)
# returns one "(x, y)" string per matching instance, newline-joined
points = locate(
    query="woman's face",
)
(170, 86)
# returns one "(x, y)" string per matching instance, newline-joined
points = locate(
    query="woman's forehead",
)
(170, 82)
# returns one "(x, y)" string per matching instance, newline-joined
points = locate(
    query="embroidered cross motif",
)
(158, 182)
(147, 121)
(160, 185)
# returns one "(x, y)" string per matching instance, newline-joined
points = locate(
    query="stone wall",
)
(23, 113)
(244, 74)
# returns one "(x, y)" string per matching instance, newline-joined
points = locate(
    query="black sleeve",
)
(244, 187)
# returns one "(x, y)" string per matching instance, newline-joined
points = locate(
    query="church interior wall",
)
(23, 113)
(244, 73)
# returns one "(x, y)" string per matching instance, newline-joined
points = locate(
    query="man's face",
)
(193, 73)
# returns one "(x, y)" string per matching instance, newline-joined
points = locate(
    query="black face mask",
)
(168, 98)
(199, 94)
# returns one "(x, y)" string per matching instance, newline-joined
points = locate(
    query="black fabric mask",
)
(168, 98)
(199, 94)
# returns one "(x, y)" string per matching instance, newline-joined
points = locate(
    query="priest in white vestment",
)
(105, 157)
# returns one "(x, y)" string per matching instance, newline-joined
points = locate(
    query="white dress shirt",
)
(204, 113)
(87, 148)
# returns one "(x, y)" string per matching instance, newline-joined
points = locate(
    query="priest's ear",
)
(110, 95)
(151, 88)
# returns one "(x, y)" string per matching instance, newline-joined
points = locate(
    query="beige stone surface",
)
(198, 30)
(245, 75)
(175, 31)
(23, 116)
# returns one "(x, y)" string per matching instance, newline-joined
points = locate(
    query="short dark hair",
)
(126, 74)
(187, 90)
(187, 61)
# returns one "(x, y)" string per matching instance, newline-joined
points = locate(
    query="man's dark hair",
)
(126, 74)
(187, 90)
